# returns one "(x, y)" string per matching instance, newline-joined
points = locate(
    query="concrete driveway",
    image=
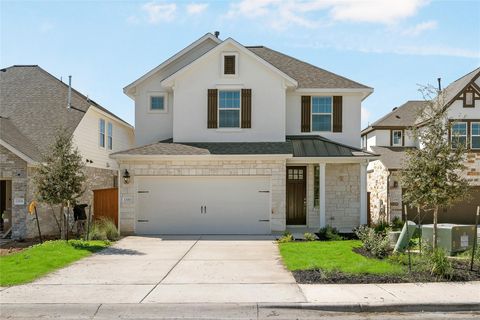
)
(193, 269)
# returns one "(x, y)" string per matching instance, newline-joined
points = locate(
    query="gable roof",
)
(400, 117)
(307, 75)
(35, 104)
(392, 158)
(456, 87)
(193, 45)
(10, 135)
(226, 42)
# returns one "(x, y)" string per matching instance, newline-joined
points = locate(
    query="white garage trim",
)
(203, 204)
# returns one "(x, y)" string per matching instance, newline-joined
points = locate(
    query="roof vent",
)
(397, 116)
(394, 108)
(217, 34)
(69, 99)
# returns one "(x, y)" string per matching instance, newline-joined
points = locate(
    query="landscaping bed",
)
(346, 261)
(38, 260)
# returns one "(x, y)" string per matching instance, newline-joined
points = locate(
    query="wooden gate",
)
(105, 204)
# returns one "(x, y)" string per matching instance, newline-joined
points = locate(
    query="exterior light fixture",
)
(126, 177)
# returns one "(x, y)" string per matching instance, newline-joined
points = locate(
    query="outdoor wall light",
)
(126, 176)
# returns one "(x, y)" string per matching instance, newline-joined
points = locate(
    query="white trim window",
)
(229, 64)
(101, 133)
(322, 114)
(157, 103)
(229, 108)
(397, 138)
(475, 135)
(458, 134)
(110, 136)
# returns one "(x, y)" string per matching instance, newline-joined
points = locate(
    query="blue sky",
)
(391, 46)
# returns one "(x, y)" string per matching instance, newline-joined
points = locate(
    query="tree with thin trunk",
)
(60, 178)
(432, 173)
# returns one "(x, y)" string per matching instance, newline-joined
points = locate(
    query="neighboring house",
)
(391, 136)
(33, 107)
(242, 140)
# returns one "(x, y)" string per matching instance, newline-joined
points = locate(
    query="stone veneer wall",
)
(342, 196)
(473, 168)
(23, 224)
(273, 168)
(377, 179)
(15, 169)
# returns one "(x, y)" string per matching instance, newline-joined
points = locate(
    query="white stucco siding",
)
(86, 139)
(351, 110)
(150, 126)
(190, 100)
(457, 111)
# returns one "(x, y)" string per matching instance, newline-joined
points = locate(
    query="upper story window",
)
(157, 103)
(101, 133)
(322, 114)
(229, 109)
(110, 136)
(397, 138)
(229, 64)
(475, 135)
(458, 134)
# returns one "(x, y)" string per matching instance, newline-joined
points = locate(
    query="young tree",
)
(432, 173)
(59, 179)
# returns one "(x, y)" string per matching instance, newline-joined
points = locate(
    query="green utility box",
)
(451, 237)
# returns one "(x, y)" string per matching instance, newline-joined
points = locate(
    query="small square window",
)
(229, 64)
(157, 103)
(468, 99)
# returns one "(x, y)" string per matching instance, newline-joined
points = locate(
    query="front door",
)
(296, 196)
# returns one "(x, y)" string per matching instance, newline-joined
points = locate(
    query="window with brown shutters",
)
(229, 64)
(212, 108)
(246, 108)
(306, 113)
(337, 113)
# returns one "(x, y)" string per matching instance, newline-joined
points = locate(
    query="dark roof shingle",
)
(392, 157)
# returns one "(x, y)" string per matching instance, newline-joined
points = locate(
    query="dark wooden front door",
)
(296, 195)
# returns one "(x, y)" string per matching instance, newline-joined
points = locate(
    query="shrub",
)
(329, 233)
(104, 229)
(437, 263)
(287, 237)
(376, 243)
(397, 224)
(381, 226)
(309, 236)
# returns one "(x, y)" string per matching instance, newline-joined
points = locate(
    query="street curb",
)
(384, 307)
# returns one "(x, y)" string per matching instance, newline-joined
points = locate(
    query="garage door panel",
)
(173, 205)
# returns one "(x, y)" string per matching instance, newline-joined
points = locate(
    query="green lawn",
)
(333, 255)
(41, 259)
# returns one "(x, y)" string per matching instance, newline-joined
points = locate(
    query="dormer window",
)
(397, 138)
(230, 64)
(468, 103)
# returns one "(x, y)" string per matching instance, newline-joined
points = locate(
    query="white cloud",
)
(420, 28)
(280, 14)
(158, 12)
(378, 11)
(196, 8)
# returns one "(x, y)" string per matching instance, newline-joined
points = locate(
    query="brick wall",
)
(273, 168)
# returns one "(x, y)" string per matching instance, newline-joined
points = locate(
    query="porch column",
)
(321, 189)
(363, 193)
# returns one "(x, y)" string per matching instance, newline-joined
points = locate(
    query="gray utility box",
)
(451, 237)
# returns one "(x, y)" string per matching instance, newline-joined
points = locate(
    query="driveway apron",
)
(170, 269)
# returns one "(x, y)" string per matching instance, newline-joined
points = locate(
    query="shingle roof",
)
(392, 157)
(307, 75)
(454, 88)
(299, 146)
(35, 103)
(11, 135)
(403, 116)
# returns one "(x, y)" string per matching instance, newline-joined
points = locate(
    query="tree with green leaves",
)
(60, 178)
(432, 174)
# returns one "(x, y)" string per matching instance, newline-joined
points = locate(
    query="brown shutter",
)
(212, 108)
(246, 108)
(337, 114)
(306, 113)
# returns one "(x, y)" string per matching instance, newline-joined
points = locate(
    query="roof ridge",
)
(313, 66)
(465, 75)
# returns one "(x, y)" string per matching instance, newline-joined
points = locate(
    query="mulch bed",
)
(461, 273)
(20, 245)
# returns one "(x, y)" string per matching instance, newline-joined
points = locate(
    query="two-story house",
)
(234, 139)
(391, 136)
(34, 106)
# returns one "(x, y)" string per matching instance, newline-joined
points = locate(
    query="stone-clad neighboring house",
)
(391, 136)
(232, 139)
(33, 107)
